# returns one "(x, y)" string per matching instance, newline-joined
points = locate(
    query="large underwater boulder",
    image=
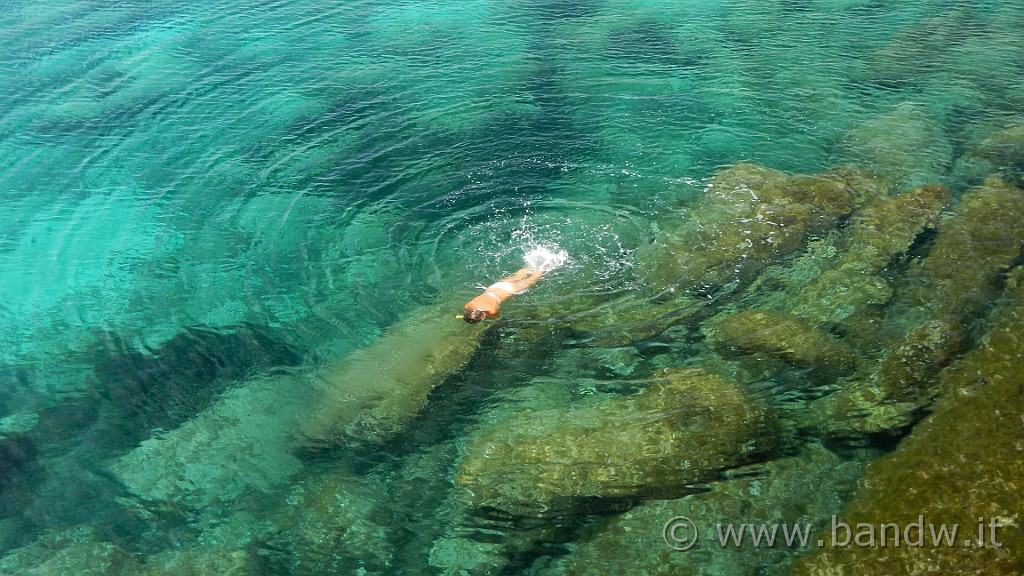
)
(890, 399)
(240, 445)
(961, 466)
(954, 283)
(802, 490)
(76, 551)
(1004, 151)
(879, 231)
(982, 240)
(749, 216)
(905, 145)
(372, 394)
(684, 427)
(760, 335)
(82, 551)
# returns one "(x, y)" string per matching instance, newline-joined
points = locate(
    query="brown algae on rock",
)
(684, 428)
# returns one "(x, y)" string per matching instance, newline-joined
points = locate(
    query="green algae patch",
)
(373, 393)
(756, 335)
(749, 216)
(684, 428)
(962, 466)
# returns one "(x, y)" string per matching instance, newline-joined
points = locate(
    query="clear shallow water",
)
(313, 172)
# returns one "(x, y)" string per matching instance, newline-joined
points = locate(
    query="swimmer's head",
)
(474, 316)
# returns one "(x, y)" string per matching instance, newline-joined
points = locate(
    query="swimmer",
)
(486, 305)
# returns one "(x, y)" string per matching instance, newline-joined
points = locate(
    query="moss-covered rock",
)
(683, 428)
(749, 216)
(375, 392)
(883, 228)
(758, 335)
(962, 463)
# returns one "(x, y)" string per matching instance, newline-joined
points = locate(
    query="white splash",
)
(545, 259)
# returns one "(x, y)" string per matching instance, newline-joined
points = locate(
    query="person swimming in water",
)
(486, 305)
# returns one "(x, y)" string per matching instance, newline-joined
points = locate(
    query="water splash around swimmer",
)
(545, 258)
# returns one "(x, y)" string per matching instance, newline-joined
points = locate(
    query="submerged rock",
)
(684, 428)
(762, 334)
(375, 392)
(73, 551)
(882, 229)
(892, 397)
(802, 491)
(80, 551)
(961, 466)
(749, 216)
(905, 145)
(952, 285)
(240, 445)
(201, 561)
(329, 525)
(1004, 150)
(983, 239)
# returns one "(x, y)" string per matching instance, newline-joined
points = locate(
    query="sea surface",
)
(201, 203)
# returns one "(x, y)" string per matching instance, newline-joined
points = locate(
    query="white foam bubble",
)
(545, 258)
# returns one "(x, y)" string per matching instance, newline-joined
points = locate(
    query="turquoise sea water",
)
(200, 203)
